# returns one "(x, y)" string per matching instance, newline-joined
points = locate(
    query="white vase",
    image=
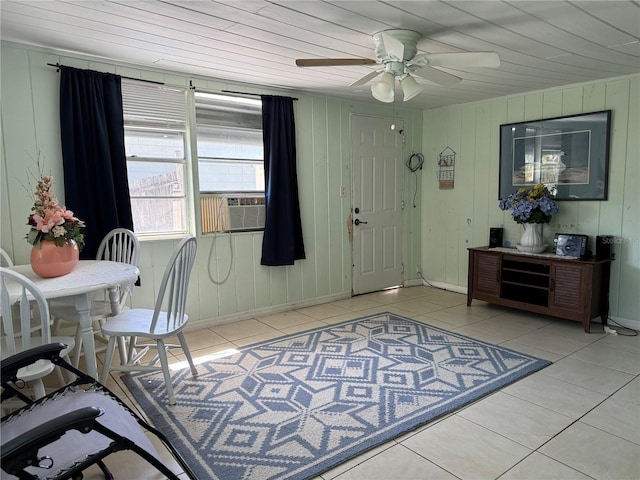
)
(531, 240)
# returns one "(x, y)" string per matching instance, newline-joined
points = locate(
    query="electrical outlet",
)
(343, 191)
(418, 269)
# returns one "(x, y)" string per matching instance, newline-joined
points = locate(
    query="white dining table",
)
(78, 287)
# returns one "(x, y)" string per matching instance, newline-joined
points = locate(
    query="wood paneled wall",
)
(454, 220)
(30, 123)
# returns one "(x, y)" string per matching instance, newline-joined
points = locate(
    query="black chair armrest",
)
(22, 451)
(12, 364)
(51, 351)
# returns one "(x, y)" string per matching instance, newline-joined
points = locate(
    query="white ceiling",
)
(542, 44)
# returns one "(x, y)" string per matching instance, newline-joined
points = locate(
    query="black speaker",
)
(495, 237)
(603, 247)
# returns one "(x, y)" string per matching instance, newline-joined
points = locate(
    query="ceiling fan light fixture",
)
(384, 89)
(410, 87)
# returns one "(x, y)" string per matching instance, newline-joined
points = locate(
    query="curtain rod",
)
(257, 94)
(58, 66)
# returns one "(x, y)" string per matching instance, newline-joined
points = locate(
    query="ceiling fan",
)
(396, 51)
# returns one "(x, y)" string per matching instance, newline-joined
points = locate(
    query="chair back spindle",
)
(120, 245)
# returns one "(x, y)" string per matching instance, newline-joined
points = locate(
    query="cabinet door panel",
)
(568, 290)
(487, 269)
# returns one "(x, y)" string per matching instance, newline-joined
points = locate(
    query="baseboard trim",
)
(445, 286)
(259, 312)
(624, 322)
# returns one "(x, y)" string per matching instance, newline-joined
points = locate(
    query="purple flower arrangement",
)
(535, 205)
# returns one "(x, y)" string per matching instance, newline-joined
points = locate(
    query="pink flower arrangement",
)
(50, 221)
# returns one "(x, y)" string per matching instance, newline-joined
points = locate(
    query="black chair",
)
(62, 434)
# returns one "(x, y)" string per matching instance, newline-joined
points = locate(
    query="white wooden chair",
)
(167, 319)
(119, 245)
(19, 331)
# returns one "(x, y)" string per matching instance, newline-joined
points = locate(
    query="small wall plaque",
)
(446, 168)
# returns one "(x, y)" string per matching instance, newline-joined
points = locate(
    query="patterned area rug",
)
(293, 407)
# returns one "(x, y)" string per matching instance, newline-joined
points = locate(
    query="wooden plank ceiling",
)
(542, 44)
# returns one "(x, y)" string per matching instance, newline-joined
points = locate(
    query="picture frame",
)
(569, 154)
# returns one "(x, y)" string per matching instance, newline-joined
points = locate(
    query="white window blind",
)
(150, 105)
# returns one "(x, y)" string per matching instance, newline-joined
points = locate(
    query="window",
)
(230, 151)
(230, 162)
(228, 132)
(155, 145)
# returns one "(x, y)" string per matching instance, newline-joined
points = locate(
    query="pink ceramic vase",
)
(52, 261)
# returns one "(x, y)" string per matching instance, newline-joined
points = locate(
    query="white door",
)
(376, 153)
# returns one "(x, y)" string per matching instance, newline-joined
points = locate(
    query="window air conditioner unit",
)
(232, 212)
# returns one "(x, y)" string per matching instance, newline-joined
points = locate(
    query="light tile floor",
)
(579, 418)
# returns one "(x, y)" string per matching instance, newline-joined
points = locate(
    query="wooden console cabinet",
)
(564, 287)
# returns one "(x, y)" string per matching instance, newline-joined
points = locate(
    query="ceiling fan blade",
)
(365, 78)
(437, 76)
(330, 62)
(458, 59)
(393, 46)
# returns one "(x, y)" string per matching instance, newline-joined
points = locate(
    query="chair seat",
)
(42, 367)
(35, 371)
(67, 312)
(136, 322)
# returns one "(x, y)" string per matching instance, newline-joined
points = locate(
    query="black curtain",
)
(282, 243)
(95, 169)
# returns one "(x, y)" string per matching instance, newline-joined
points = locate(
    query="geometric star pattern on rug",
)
(295, 406)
